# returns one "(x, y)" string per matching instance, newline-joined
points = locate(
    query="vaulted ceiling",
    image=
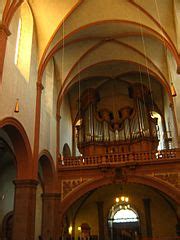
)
(85, 36)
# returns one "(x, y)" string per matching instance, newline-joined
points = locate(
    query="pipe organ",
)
(126, 128)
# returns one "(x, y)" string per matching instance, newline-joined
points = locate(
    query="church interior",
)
(89, 120)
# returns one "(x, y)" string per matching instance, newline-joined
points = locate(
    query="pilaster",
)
(101, 220)
(4, 33)
(147, 210)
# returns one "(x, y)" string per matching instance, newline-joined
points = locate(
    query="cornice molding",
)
(4, 28)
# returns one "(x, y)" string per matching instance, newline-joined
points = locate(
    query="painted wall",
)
(48, 111)
(65, 124)
(15, 85)
(174, 77)
(2, 5)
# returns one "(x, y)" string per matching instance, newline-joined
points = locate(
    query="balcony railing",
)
(120, 158)
(160, 238)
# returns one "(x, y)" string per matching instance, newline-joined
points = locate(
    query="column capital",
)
(4, 29)
(100, 203)
(58, 117)
(21, 183)
(39, 86)
(51, 196)
(178, 68)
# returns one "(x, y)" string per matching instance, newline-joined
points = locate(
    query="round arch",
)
(100, 182)
(66, 150)
(47, 55)
(7, 225)
(48, 171)
(21, 146)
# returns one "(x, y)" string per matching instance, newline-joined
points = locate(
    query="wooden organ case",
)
(126, 128)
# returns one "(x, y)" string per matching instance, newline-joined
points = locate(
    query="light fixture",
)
(79, 228)
(122, 198)
(173, 90)
(16, 109)
(122, 202)
(70, 230)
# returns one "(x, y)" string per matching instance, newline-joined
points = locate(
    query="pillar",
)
(24, 209)
(4, 33)
(147, 210)
(178, 221)
(100, 220)
(50, 216)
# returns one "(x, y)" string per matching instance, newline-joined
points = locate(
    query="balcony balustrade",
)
(120, 159)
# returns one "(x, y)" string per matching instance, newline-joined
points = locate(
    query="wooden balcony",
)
(120, 159)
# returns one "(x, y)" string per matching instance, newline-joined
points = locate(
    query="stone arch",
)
(100, 182)
(48, 172)
(21, 146)
(7, 226)
(66, 150)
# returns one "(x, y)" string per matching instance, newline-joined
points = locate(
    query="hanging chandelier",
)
(122, 202)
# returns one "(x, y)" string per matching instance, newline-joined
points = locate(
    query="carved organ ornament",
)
(127, 127)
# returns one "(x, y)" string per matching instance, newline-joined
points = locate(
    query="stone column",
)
(50, 216)
(147, 210)
(24, 209)
(178, 228)
(4, 33)
(178, 221)
(100, 220)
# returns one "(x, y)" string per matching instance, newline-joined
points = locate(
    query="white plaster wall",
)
(48, 111)
(2, 5)
(65, 125)
(175, 78)
(93, 11)
(110, 51)
(15, 86)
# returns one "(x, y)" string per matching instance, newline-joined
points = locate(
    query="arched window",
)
(22, 57)
(123, 222)
(66, 150)
(160, 129)
(125, 215)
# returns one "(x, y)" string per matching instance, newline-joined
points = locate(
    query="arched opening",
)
(21, 147)
(160, 130)
(15, 152)
(119, 114)
(66, 150)
(46, 188)
(47, 171)
(117, 222)
(7, 225)
(123, 222)
(7, 188)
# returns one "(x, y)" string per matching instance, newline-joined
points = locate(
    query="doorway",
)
(123, 223)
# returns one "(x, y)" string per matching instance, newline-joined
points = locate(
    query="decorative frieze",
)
(170, 178)
(71, 184)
